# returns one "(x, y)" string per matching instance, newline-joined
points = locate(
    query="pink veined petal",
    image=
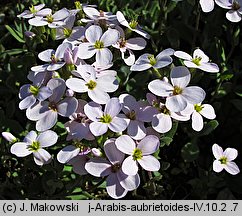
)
(47, 138)
(117, 125)
(197, 121)
(43, 156)
(160, 88)
(149, 163)
(98, 128)
(110, 37)
(217, 166)
(93, 33)
(114, 188)
(98, 167)
(193, 94)
(86, 50)
(230, 153)
(77, 85)
(208, 111)
(46, 55)
(162, 123)
(98, 95)
(232, 168)
(93, 111)
(122, 19)
(233, 16)
(30, 137)
(125, 144)
(78, 163)
(20, 149)
(217, 151)
(113, 107)
(130, 166)
(180, 76)
(149, 145)
(67, 153)
(107, 83)
(209, 67)
(136, 130)
(112, 153)
(104, 57)
(137, 43)
(200, 54)
(128, 182)
(183, 55)
(176, 103)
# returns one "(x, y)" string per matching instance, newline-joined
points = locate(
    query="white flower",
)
(146, 61)
(97, 44)
(96, 87)
(178, 95)
(198, 111)
(235, 9)
(35, 11)
(199, 60)
(133, 25)
(207, 5)
(224, 160)
(34, 143)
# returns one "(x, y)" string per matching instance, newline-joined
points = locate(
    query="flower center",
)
(152, 59)
(133, 24)
(106, 119)
(223, 160)
(122, 43)
(131, 115)
(53, 59)
(235, 6)
(34, 90)
(164, 110)
(197, 60)
(67, 32)
(137, 154)
(35, 146)
(32, 9)
(91, 85)
(177, 90)
(53, 106)
(115, 167)
(99, 44)
(198, 107)
(49, 18)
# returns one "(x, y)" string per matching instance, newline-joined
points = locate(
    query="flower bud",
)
(69, 93)
(96, 152)
(9, 137)
(29, 34)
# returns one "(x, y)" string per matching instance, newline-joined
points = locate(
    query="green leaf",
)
(15, 34)
(209, 127)
(165, 141)
(190, 152)
(173, 130)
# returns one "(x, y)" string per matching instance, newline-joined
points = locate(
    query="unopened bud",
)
(96, 152)
(9, 137)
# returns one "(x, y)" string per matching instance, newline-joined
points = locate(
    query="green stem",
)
(157, 73)
(196, 27)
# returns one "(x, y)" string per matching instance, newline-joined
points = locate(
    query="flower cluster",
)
(76, 82)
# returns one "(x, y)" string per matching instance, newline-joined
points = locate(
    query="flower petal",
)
(30, 137)
(176, 103)
(121, 19)
(47, 122)
(98, 128)
(125, 144)
(137, 43)
(47, 138)
(230, 153)
(112, 153)
(160, 88)
(58, 87)
(67, 106)
(198, 53)
(117, 125)
(46, 55)
(77, 85)
(86, 51)
(209, 67)
(217, 166)
(207, 5)
(103, 57)
(232, 168)
(180, 76)
(113, 107)
(163, 62)
(194, 94)
(98, 167)
(93, 111)
(197, 121)
(107, 83)
(98, 95)
(93, 33)
(43, 156)
(27, 102)
(217, 151)
(183, 55)
(136, 130)
(149, 145)
(114, 188)
(130, 166)
(110, 37)
(78, 163)
(67, 153)
(166, 52)
(233, 16)
(20, 149)
(208, 111)
(128, 182)
(162, 123)
(149, 163)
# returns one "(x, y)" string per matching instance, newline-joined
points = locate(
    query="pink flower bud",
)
(30, 34)
(96, 152)
(69, 93)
